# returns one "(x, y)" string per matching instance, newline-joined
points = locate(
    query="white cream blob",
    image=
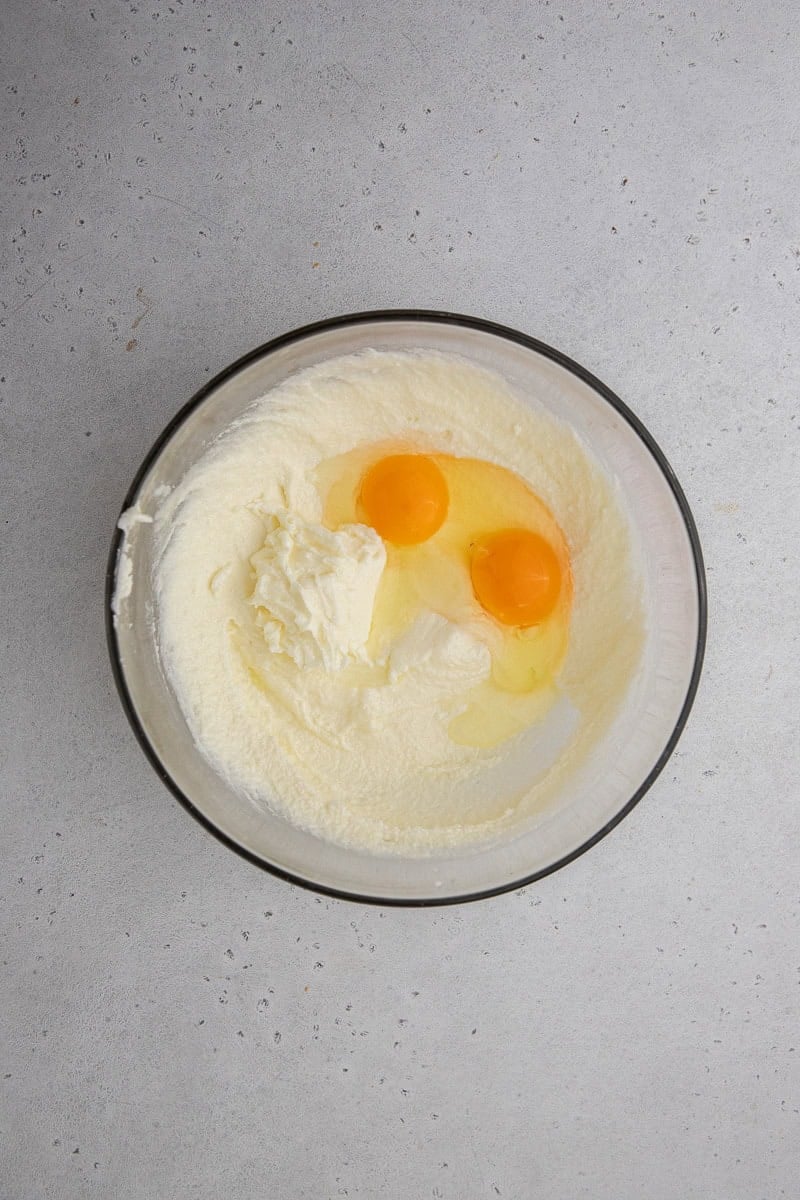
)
(314, 591)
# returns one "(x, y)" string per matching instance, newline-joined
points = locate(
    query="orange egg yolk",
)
(516, 576)
(404, 498)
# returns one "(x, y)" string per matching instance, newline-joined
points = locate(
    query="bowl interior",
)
(622, 764)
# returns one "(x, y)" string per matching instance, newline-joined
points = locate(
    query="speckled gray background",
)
(183, 181)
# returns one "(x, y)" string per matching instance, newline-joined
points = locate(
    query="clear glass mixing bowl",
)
(623, 764)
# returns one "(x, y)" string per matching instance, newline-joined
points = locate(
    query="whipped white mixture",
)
(263, 614)
(314, 591)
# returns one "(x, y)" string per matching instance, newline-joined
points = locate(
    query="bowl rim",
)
(431, 316)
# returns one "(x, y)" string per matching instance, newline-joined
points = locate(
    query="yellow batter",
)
(376, 734)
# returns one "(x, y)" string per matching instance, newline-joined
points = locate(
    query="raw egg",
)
(471, 541)
(516, 576)
(404, 497)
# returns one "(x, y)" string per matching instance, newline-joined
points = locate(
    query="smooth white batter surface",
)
(295, 714)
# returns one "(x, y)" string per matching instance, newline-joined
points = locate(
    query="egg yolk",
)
(404, 498)
(516, 576)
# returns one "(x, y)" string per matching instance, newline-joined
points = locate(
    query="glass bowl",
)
(622, 765)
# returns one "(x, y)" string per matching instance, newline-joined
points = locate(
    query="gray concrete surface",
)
(179, 183)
